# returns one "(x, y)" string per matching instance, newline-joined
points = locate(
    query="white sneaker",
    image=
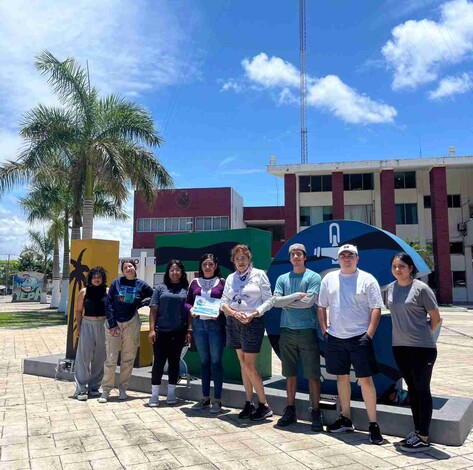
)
(82, 396)
(171, 397)
(216, 407)
(122, 394)
(104, 397)
(153, 402)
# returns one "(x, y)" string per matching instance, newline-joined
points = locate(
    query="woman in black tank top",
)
(90, 318)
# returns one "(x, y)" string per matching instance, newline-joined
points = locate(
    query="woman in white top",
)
(246, 297)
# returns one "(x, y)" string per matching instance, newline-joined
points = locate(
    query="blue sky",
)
(386, 79)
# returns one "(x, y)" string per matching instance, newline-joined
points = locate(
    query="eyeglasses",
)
(177, 271)
(241, 258)
(208, 265)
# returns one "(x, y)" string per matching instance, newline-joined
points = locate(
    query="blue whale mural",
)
(376, 247)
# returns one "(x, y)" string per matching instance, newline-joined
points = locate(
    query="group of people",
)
(351, 296)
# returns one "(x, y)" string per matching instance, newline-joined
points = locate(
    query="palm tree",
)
(108, 137)
(424, 249)
(42, 245)
(102, 142)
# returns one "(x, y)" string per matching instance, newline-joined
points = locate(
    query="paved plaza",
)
(42, 427)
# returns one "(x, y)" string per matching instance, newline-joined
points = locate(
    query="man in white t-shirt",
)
(354, 300)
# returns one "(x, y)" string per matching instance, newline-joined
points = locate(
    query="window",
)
(357, 181)
(453, 200)
(315, 184)
(456, 248)
(211, 223)
(361, 213)
(459, 278)
(165, 224)
(404, 179)
(314, 215)
(406, 214)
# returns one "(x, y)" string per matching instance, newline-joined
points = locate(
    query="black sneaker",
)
(375, 434)
(247, 410)
(342, 424)
(262, 412)
(409, 436)
(317, 423)
(415, 444)
(288, 417)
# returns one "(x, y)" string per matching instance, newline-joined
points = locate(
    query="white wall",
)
(236, 218)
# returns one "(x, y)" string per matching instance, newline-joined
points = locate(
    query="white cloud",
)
(418, 50)
(274, 72)
(130, 49)
(232, 85)
(226, 161)
(332, 94)
(328, 93)
(450, 86)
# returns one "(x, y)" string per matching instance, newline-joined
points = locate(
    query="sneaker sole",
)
(344, 429)
(267, 415)
(154, 404)
(82, 398)
(215, 412)
(102, 400)
(378, 443)
(171, 402)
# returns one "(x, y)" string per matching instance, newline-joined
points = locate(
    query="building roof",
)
(401, 164)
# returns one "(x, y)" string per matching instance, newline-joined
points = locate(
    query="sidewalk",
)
(42, 427)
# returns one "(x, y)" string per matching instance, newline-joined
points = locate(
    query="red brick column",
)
(388, 204)
(290, 202)
(440, 234)
(338, 201)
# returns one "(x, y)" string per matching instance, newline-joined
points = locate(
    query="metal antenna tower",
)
(304, 156)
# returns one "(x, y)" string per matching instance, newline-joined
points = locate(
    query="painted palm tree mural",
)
(77, 281)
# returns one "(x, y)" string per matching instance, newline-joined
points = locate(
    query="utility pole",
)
(302, 38)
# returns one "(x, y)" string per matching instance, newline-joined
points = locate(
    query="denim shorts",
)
(247, 337)
(300, 345)
(357, 351)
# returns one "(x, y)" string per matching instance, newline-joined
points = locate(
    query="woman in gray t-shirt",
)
(409, 301)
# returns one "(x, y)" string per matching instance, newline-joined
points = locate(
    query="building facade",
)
(200, 209)
(427, 198)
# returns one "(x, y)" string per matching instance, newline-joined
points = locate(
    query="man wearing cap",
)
(354, 300)
(296, 293)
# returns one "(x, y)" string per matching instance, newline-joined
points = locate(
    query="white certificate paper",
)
(207, 307)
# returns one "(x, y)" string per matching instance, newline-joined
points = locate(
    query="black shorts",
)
(247, 337)
(357, 351)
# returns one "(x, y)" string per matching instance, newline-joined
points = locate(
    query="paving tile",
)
(451, 464)
(188, 456)
(130, 455)
(14, 452)
(46, 463)
(267, 461)
(15, 465)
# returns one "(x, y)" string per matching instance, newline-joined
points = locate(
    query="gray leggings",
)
(91, 355)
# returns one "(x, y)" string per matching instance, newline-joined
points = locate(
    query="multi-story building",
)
(200, 209)
(429, 198)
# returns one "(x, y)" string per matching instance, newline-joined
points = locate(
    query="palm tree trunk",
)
(56, 277)
(65, 266)
(88, 208)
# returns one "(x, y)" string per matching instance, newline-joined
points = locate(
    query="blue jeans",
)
(209, 338)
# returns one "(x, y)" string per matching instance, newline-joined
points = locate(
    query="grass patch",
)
(31, 319)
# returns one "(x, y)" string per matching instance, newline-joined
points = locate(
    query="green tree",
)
(104, 142)
(7, 269)
(425, 250)
(41, 247)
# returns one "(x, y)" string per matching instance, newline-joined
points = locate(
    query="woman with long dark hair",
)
(414, 348)
(168, 329)
(90, 317)
(122, 328)
(208, 332)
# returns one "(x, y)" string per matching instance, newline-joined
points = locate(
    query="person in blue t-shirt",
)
(122, 328)
(296, 293)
